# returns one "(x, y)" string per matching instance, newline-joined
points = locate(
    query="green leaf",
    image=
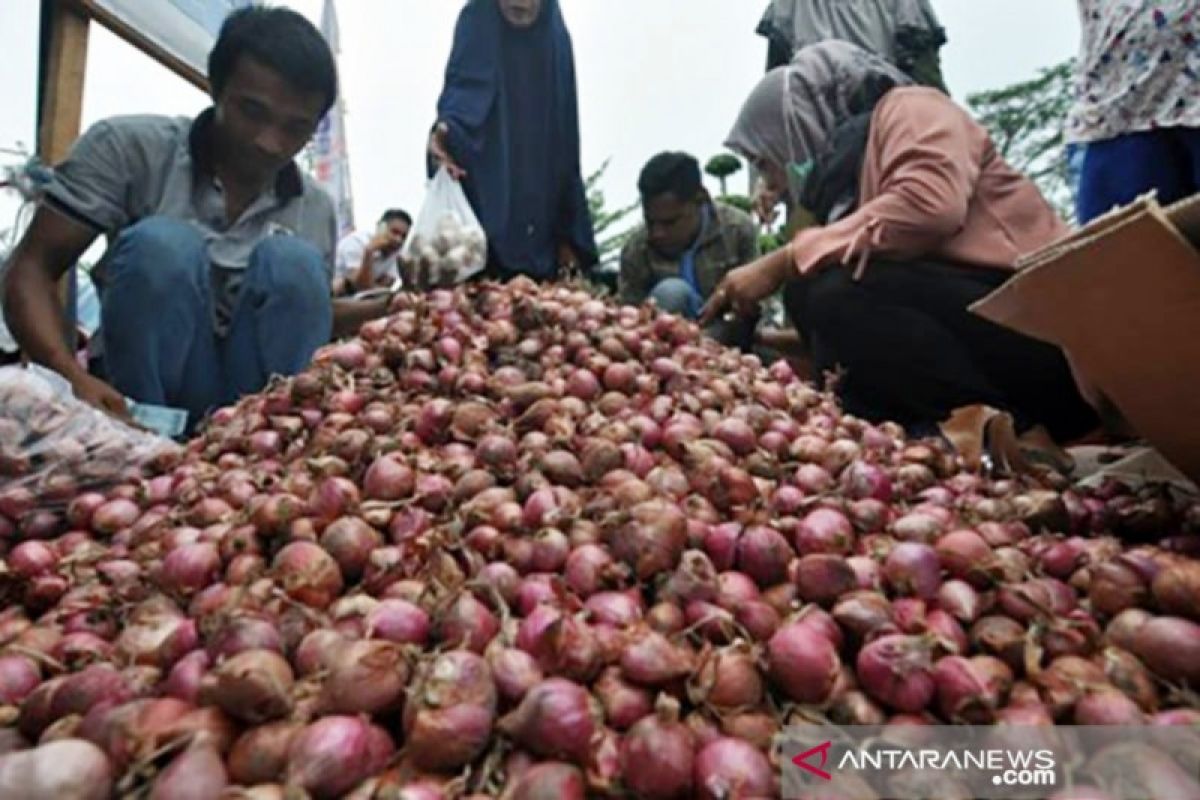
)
(604, 219)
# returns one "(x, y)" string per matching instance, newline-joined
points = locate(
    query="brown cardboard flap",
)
(1123, 298)
(1086, 234)
(1185, 216)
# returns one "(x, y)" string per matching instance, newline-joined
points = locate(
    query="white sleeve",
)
(350, 252)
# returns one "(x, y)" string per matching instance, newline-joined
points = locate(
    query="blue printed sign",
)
(184, 28)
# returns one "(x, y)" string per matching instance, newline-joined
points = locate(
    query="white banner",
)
(331, 157)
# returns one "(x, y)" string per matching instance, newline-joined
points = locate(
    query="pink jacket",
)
(933, 186)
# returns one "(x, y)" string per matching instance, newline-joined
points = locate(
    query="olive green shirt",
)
(729, 242)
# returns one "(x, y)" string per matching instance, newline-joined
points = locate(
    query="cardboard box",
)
(1122, 296)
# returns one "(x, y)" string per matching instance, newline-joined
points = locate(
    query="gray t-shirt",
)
(125, 169)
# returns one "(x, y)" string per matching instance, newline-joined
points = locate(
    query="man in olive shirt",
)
(687, 244)
(220, 252)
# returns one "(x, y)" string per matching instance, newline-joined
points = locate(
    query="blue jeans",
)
(1074, 156)
(676, 296)
(1117, 171)
(157, 317)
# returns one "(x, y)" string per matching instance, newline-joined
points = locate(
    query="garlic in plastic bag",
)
(447, 244)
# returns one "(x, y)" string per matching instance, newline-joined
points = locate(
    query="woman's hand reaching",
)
(439, 149)
(742, 290)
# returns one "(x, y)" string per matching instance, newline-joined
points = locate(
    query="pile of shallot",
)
(517, 542)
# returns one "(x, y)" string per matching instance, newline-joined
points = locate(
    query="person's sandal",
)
(1039, 448)
(966, 431)
(987, 440)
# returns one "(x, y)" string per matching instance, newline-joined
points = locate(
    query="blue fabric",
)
(676, 296)
(157, 317)
(1075, 154)
(1117, 171)
(510, 104)
(87, 303)
(687, 265)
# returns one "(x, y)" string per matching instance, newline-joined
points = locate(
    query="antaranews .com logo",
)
(990, 762)
(1007, 767)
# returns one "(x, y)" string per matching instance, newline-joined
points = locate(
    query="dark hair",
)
(677, 173)
(396, 213)
(278, 38)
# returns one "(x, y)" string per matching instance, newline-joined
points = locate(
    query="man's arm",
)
(32, 307)
(364, 277)
(350, 315)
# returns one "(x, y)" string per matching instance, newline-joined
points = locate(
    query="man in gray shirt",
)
(220, 250)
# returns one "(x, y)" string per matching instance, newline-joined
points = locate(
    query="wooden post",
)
(62, 65)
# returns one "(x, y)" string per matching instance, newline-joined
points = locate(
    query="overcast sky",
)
(653, 74)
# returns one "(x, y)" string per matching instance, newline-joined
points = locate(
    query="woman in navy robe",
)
(508, 128)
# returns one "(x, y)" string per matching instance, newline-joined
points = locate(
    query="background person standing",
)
(508, 127)
(1137, 107)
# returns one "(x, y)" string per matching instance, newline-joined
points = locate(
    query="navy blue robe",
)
(510, 104)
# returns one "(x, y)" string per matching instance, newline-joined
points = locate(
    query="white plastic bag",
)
(53, 445)
(447, 244)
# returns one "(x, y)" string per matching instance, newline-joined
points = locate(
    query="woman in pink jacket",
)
(919, 217)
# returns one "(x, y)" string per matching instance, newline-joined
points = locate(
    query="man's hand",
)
(91, 389)
(382, 242)
(378, 248)
(350, 314)
(439, 148)
(743, 289)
